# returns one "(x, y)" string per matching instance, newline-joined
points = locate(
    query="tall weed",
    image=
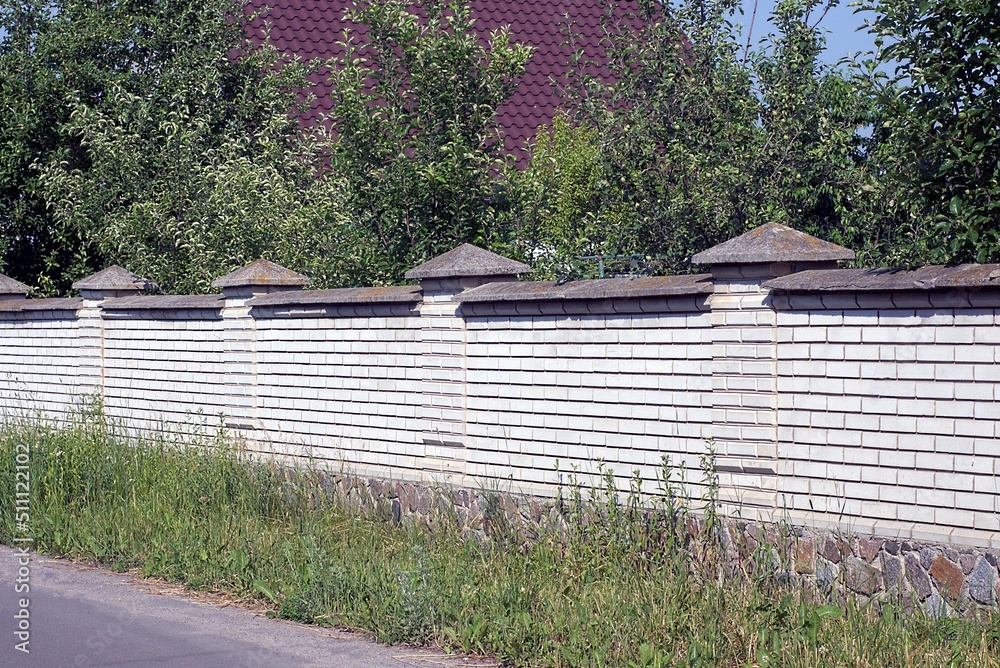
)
(620, 580)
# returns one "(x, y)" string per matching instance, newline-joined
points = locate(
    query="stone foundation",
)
(938, 579)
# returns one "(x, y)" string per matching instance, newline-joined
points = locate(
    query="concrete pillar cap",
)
(773, 243)
(11, 289)
(261, 272)
(467, 261)
(114, 281)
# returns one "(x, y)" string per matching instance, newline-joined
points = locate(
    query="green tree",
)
(557, 198)
(821, 166)
(698, 138)
(157, 136)
(36, 74)
(942, 118)
(165, 198)
(415, 133)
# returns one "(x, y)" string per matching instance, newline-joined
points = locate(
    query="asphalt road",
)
(81, 616)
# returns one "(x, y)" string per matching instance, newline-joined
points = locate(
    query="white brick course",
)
(41, 358)
(921, 399)
(884, 416)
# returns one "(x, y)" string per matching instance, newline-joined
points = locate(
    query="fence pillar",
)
(239, 336)
(107, 284)
(744, 425)
(11, 289)
(443, 340)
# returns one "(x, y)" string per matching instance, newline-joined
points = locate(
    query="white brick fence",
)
(862, 400)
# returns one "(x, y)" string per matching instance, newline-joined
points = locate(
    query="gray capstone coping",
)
(391, 294)
(874, 280)
(114, 278)
(54, 304)
(164, 302)
(467, 260)
(8, 286)
(261, 272)
(601, 288)
(773, 242)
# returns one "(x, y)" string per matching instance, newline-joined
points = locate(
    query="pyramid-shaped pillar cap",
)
(468, 261)
(771, 250)
(773, 242)
(114, 281)
(259, 277)
(11, 289)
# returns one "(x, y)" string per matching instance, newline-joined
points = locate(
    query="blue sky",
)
(839, 24)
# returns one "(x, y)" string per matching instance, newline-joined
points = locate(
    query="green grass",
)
(615, 587)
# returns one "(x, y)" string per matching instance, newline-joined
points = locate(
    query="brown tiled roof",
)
(312, 28)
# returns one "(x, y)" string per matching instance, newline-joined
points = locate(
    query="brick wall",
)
(342, 385)
(845, 399)
(550, 393)
(889, 416)
(163, 369)
(44, 356)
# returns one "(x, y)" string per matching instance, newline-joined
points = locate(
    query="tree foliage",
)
(39, 67)
(558, 198)
(696, 139)
(941, 113)
(415, 129)
(157, 135)
(154, 135)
